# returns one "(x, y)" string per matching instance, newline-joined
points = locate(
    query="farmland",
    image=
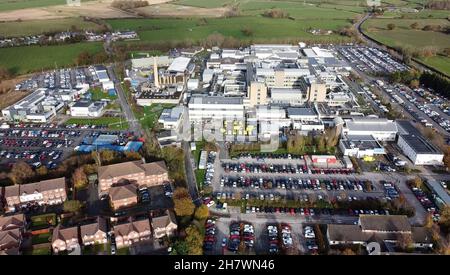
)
(34, 27)
(22, 60)
(6, 5)
(264, 29)
(405, 36)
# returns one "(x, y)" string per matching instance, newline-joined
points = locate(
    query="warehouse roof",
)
(215, 100)
(301, 111)
(420, 145)
(179, 64)
(372, 125)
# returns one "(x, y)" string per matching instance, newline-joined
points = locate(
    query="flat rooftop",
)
(216, 100)
(420, 145)
(301, 111)
(362, 142)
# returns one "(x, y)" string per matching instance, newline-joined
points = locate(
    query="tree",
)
(417, 182)
(414, 84)
(391, 26)
(404, 241)
(247, 31)
(133, 155)
(89, 169)
(194, 240)
(42, 171)
(215, 39)
(20, 172)
(79, 178)
(100, 58)
(348, 251)
(183, 204)
(107, 156)
(444, 220)
(202, 212)
(73, 206)
(84, 58)
(414, 25)
(4, 74)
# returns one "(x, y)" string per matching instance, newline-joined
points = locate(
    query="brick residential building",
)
(165, 225)
(132, 232)
(11, 230)
(143, 174)
(65, 238)
(123, 196)
(47, 192)
(94, 233)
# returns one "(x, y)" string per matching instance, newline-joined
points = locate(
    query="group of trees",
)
(410, 77)
(439, 84)
(232, 11)
(128, 5)
(247, 31)
(4, 74)
(86, 58)
(183, 204)
(21, 172)
(276, 13)
(438, 5)
(321, 142)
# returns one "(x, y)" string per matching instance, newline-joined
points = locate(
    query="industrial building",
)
(416, 147)
(87, 108)
(360, 146)
(380, 128)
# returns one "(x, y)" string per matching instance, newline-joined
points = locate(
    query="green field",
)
(22, 60)
(34, 27)
(99, 94)
(264, 29)
(149, 117)
(43, 220)
(205, 3)
(113, 123)
(440, 63)
(8, 5)
(41, 238)
(404, 36)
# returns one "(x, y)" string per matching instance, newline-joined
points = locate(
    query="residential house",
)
(165, 225)
(94, 233)
(11, 230)
(123, 196)
(143, 174)
(47, 192)
(132, 232)
(65, 238)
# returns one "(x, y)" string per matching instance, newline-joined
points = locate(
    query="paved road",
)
(133, 123)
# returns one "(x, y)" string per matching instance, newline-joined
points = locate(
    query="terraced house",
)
(94, 233)
(128, 233)
(143, 174)
(11, 230)
(65, 238)
(47, 192)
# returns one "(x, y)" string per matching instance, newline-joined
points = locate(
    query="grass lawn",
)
(38, 251)
(150, 115)
(200, 177)
(22, 60)
(34, 27)
(41, 220)
(98, 94)
(123, 251)
(440, 63)
(114, 123)
(204, 3)
(41, 238)
(9, 5)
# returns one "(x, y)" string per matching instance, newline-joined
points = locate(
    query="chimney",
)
(155, 72)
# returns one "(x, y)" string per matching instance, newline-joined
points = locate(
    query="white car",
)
(211, 203)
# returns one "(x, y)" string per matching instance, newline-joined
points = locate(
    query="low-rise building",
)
(360, 146)
(129, 233)
(94, 233)
(123, 196)
(165, 225)
(171, 119)
(87, 108)
(380, 128)
(65, 239)
(47, 192)
(11, 230)
(388, 229)
(416, 147)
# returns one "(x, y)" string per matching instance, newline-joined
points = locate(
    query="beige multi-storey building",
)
(47, 192)
(165, 225)
(257, 94)
(143, 174)
(133, 232)
(123, 196)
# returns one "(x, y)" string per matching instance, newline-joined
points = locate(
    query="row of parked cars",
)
(35, 157)
(310, 239)
(210, 168)
(257, 168)
(38, 133)
(210, 234)
(27, 143)
(427, 203)
(241, 232)
(390, 190)
(262, 156)
(292, 184)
